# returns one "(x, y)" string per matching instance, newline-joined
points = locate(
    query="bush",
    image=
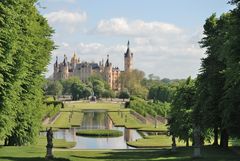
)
(144, 107)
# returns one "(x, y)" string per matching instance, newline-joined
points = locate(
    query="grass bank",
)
(129, 121)
(100, 133)
(78, 106)
(66, 120)
(155, 141)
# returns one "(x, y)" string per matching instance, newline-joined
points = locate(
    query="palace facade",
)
(83, 70)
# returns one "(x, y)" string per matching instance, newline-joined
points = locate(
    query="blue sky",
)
(163, 35)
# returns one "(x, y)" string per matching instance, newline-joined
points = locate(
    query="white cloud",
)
(123, 27)
(66, 17)
(163, 49)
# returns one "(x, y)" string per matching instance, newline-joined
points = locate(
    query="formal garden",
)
(146, 119)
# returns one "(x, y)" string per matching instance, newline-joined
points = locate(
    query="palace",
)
(83, 70)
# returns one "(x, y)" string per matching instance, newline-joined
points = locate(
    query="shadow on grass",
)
(136, 156)
(31, 159)
(182, 154)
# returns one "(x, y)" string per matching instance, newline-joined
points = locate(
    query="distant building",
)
(83, 70)
(128, 59)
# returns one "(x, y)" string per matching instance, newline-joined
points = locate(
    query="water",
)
(97, 120)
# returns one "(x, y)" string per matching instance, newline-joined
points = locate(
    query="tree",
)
(181, 112)
(230, 53)
(132, 81)
(163, 93)
(68, 83)
(54, 88)
(108, 94)
(124, 95)
(211, 80)
(98, 87)
(25, 46)
(219, 82)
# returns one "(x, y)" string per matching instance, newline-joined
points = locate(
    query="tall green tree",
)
(181, 123)
(25, 46)
(230, 54)
(54, 88)
(211, 80)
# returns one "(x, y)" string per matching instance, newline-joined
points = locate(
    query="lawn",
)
(57, 143)
(155, 141)
(129, 121)
(62, 121)
(66, 120)
(76, 119)
(34, 153)
(78, 106)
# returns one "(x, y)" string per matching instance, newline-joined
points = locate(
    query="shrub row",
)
(146, 107)
(100, 133)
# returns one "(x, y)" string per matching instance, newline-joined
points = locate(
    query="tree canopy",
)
(25, 46)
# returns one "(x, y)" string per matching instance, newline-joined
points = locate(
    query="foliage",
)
(218, 83)
(163, 93)
(146, 107)
(54, 88)
(68, 83)
(108, 94)
(181, 124)
(132, 81)
(25, 46)
(80, 90)
(100, 133)
(124, 94)
(50, 110)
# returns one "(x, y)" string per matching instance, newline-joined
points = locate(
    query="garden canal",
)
(97, 119)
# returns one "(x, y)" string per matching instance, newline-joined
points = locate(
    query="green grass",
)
(124, 119)
(78, 106)
(100, 133)
(118, 119)
(155, 141)
(57, 143)
(33, 153)
(62, 121)
(151, 128)
(76, 119)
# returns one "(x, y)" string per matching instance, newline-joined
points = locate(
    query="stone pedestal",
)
(197, 152)
(197, 142)
(49, 154)
(173, 144)
(156, 122)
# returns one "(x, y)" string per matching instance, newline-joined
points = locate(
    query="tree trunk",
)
(224, 138)
(173, 143)
(215, 143)
(197, 141)
(187, 142)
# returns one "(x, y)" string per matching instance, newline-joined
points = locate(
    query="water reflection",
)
(97, 120)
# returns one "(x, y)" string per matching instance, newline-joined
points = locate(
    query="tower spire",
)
(56, 63)
(128, 44)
